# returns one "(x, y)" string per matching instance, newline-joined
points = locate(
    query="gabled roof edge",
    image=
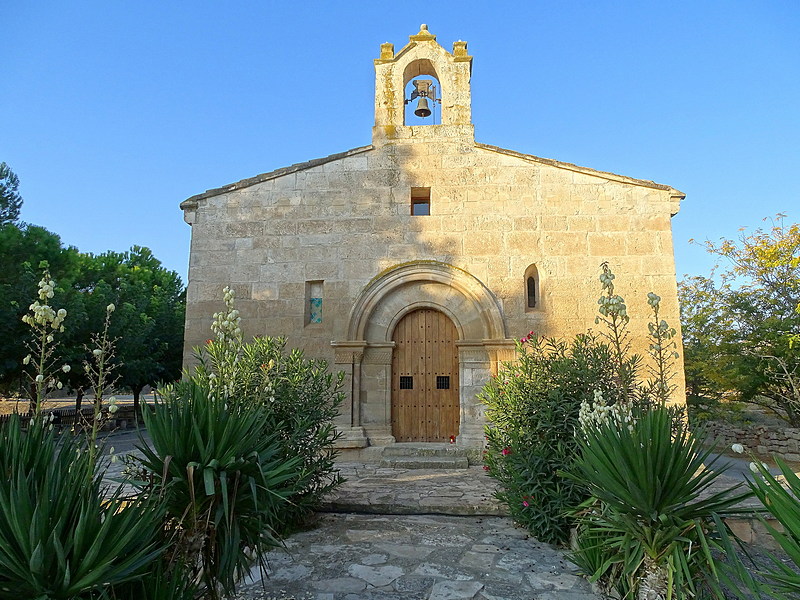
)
(578, 169)
(250, 181)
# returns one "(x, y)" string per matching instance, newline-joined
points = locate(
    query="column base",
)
(352, 437)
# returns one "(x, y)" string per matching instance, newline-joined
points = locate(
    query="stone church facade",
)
(413, 263)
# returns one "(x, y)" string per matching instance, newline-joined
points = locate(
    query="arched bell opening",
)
(422, 94)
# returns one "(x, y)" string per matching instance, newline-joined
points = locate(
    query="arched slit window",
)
(532, 290)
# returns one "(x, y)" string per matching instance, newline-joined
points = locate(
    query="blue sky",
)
(115, 112)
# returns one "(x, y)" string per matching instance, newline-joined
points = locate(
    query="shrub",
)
(223, 481)
(59, 537)
(532, 405)
(775, 578)
(645, 532)
(300, 395)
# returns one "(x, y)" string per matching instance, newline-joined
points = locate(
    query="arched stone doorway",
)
(367, 352)
(425, 403)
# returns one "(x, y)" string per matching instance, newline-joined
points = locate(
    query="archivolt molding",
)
(468, 302)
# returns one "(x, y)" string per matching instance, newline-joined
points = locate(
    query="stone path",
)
(396, 535)
(417, 557)
(373, 489)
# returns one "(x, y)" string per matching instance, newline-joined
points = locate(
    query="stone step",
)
(423, 449)
(425, 462)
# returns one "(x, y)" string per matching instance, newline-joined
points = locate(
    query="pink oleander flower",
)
(525, 503)
(506, 451)
(485, 467)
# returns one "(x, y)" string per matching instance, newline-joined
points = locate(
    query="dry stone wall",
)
(764, 441)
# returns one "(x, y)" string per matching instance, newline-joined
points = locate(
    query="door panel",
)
(425, 406)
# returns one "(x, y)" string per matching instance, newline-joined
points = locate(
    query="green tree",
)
(739, 324)
(23, 248)
(149, 317)
(10, 200)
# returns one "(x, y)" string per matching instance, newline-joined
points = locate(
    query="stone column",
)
(376, 393)
(474, 372)
(348, 356)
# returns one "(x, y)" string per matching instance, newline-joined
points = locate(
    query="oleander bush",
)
(532, 405)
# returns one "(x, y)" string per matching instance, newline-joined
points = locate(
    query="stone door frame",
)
(366, 354)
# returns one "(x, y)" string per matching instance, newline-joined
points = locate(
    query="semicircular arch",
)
(426, 284)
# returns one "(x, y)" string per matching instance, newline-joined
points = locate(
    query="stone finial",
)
(459, 48)
(423, 35)
(387, 51)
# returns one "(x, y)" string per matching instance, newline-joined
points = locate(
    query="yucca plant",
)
(223, 482)
(302, 399)
(646, 514)
(59, 537)
(781, 499)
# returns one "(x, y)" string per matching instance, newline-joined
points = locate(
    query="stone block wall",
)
(764, 441)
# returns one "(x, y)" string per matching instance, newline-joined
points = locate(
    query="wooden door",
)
(425, 404)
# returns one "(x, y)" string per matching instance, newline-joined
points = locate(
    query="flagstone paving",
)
(370, 488)
(417, 557)
(416, 535)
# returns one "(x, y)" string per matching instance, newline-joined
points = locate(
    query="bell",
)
(422, 108)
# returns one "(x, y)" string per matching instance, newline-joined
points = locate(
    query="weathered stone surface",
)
(455, 590)
(339, 584)
(376, 576)
(345, 220)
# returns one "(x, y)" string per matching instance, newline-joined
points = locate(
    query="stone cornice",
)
(191, 203)
(585, 170)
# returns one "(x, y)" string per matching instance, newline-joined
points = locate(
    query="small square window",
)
(442, 382)
(406, 382)
(420, 201)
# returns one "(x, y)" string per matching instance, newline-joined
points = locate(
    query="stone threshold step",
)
(425, 462)
(423, 449)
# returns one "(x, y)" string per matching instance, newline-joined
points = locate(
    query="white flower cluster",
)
(43, 314)
(226, 323)
(598, 412)
(46, 288)
(112, 405)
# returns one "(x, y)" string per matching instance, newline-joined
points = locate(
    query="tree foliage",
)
(149, 317)
(23, 249)
(740, 324)
(10, 199)
(147, 324)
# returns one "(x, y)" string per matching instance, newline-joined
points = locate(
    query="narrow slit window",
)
(406, 382)
(533, 292)
(442, 382)
(314, 297)
(420, 202)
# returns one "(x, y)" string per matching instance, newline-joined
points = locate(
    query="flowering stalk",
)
(663, 351)
(99, 370)
(225, 351)
(46, 322)
(614, 314)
